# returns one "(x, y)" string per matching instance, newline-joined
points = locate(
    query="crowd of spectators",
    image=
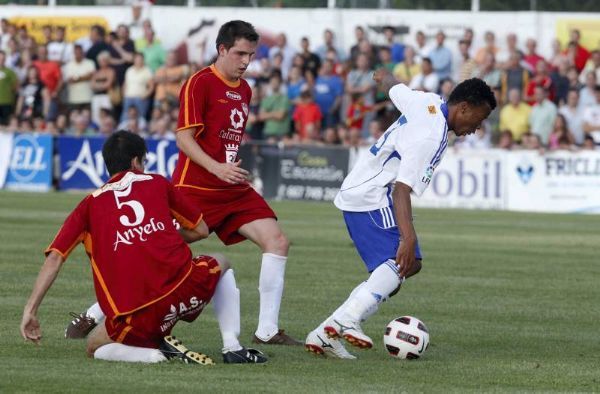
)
(320, 95)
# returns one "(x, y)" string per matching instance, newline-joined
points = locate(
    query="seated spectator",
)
(506, 140)
(514, 116)
(573, 113)
(97, 44)
(488, 72)
(133, 116)
(465, 65)
(446, 87)
(542, 116)
(355, 138)
(138, 87)
(162, 130)
(102, 82)
(168, 80)
(307, 119)
(356, 111)
(587, 94)
(330, 136)
(77, 75)
(375, 131)
(589, 143)
(591, 118)
(274, 111)
(441, 57)
(407, 69)
(51, 76)
(540, 78)
(514, 76)
(294, 84)
(560, 137)
(107, 126)
(329, 90)
(384, 59)
(80, 126)
(34, 98)
(489, 48)
(573, 77)
(593, 64)
(531, 142)
(560, 82)
(312, 62)
(480, 139)
(532, 58)
(426, 80)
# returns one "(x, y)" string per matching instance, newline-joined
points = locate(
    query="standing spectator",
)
(515, 76)
(558, 56)
(421, 47)
(80, 126)
(9, 85)
(468, 35)
(98, 43)
(46, 34)
(51, 77)
(121, 52)
(329, 90)
(489, 48)
(560, 82)
(406, 70)
(591, 118)
(465, 66)
(168, 80)
(103, 80)
(488, 71)
(480, 139)
(287, 53)
(329, 45)
(441, 57)
(359, 35)
(540, 78)
(426, 80)
(593, 64)
(514, 116)
(385, 59)
(34, 98)
(360, 81)
(307, 119)
(503, 56)
(589, 143)
(581, 54)
(59, 50)
(13, 55)
(312, 62)
(78, 73)
(561, 137)
(587, 94)
(375, 131)
(573, 113)
(274, 111)
(294, 85)
(133, 117)
(154, 53)
(138, 87)
(543, 114)
(532, 58)
(506, 140)
(396, 48)
(446, 87)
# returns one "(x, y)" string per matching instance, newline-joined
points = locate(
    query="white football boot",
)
(319, 343)
(350, 331)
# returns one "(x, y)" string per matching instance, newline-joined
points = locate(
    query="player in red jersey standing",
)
(212, 117)
(145, 277)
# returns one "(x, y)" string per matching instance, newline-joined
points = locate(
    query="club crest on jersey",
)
(233, 95)
(428, 174)
(237, 119)
(431, 109)
(231, 151)
(245, 109)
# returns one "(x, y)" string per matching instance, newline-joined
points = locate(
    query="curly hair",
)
(474, 91)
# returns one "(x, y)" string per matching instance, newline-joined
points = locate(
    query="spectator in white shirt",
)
(426, 80)
(77, 74)
(138, 87)
(573, 113)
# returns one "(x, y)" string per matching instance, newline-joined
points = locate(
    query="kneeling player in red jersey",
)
(145, 277)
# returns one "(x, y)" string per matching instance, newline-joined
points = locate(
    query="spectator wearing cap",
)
(591, 118)
(543, 115)
(441, 57)
(514, 116)
(396, 48)
(77, 74)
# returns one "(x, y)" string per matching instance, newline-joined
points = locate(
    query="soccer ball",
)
(406, 337)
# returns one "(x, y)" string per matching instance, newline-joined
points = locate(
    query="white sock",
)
(270, 285)
(226, 303)
(95, 312)
(383, 280)
(133, 354)
(339, 311)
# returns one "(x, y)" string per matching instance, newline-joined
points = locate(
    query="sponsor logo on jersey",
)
(231, 151)
(431, 109)
(140, 232)
(428, 174)
(176, 312)
(233, 95)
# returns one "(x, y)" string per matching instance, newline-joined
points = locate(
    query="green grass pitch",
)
(512, 301)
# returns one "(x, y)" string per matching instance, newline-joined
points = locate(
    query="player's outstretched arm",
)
(30, 326)
(405, 256)
(228, 172)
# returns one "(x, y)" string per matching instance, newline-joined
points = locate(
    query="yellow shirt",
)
(404, 73)
(515, 119)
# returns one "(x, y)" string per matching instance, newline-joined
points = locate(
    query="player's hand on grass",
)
(231, 172)
(405, 257)
(30, 328)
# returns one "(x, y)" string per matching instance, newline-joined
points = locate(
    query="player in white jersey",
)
(375, 200)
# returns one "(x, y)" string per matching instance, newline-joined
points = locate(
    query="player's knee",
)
(279, 243)
(223, 262)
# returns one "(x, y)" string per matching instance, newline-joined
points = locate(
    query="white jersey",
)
(407, 152)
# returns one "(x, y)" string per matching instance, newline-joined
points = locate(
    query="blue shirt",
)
(327, 89)
(441, 60)
(397, 51)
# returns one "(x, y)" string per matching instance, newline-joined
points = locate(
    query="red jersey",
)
(49, 73)
(137, 255)
(218, 110)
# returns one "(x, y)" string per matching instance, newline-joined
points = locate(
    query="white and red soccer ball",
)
(406, 337)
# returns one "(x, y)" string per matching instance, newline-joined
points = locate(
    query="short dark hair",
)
(120, 148)
(474, 91)
(234, 30)
(426, 60)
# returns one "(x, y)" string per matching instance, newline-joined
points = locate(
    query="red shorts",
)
(148, 326)
(226, 211)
